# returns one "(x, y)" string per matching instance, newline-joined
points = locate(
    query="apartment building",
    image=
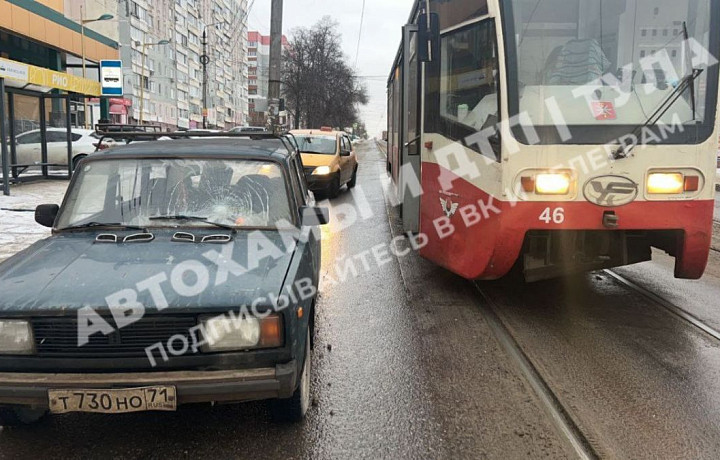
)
(162, 49)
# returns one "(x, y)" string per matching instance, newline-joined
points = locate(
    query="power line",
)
(362, 20)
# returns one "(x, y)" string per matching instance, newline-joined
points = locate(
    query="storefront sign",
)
(47, 79)
(13, 70)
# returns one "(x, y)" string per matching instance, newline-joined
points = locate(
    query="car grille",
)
(58, 337)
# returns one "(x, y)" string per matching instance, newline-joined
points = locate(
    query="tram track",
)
(557, 413)
(667, 305)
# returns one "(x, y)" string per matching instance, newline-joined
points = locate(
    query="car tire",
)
(335, 187)
(293, 409)
(311, 323)
(19, 416)
(353, 181)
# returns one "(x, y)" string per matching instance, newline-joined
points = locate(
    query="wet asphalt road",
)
(406, 366)
(394, 376)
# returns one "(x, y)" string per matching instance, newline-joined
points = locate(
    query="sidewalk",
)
(18, 228)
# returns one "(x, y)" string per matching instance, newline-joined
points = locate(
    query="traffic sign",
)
(111, 78)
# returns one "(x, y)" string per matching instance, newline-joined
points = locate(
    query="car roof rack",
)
(130, 133)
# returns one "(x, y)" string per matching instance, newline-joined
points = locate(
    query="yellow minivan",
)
(328, 158)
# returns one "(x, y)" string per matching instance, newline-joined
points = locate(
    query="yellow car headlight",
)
(665, 183)
(321, 171)
(552, 184)
(228, 334)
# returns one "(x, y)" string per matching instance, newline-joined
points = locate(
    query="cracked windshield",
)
(451, 229)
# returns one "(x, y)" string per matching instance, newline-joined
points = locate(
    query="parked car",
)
(206, 235)
(329, 159)
(28, 145)
(249, 130)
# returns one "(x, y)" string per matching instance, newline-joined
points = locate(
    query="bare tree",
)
(319, 86)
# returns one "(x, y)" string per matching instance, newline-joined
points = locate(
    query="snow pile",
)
(18, 228)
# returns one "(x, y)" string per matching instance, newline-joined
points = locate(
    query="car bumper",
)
(320, 183)
(192, 386)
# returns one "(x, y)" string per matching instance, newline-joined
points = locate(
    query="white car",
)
(28, 145)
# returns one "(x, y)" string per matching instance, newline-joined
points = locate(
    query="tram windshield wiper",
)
(687, 82)
(193, 218)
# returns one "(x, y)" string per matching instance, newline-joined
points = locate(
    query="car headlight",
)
(665, 183)
(321, 171)
(241, 333)
(16, 338)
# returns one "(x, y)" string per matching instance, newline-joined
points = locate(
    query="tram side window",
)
(469, 79)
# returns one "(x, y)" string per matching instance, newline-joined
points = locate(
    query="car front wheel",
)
(335, 187)
(353, 181)
(294, 408)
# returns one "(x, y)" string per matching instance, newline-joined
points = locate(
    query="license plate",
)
(116, 401)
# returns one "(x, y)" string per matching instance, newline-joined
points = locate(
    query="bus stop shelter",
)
(33, 99)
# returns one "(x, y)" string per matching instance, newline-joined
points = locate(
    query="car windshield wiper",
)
(105, 225)
(687, 82)
(194, 218)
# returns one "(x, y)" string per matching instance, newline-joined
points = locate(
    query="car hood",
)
(70, 271)
(313, 160)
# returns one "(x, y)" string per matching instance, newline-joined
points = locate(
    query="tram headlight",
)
(553, 183)
(665, 183)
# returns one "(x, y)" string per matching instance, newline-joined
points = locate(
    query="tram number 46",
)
(556, 216)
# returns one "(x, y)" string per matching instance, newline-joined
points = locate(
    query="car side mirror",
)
(345, 153)
(315, 215)
(45, 214)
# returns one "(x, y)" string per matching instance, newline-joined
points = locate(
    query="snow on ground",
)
(18, 228)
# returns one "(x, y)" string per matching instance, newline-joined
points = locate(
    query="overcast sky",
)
(379, 42)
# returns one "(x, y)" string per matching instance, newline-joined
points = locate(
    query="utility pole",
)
(204, 59)
(275, 64)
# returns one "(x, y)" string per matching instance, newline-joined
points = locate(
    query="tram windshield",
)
(601, 68)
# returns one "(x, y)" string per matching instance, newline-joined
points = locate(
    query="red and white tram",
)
(562, 135)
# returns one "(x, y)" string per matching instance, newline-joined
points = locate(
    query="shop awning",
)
(118, 109)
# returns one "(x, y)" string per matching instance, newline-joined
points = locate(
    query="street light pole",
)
(204, 59)
(275, 63)
(82, 47)
(83, 21)
(142, 82)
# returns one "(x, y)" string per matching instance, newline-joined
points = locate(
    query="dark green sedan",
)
(178, 271)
